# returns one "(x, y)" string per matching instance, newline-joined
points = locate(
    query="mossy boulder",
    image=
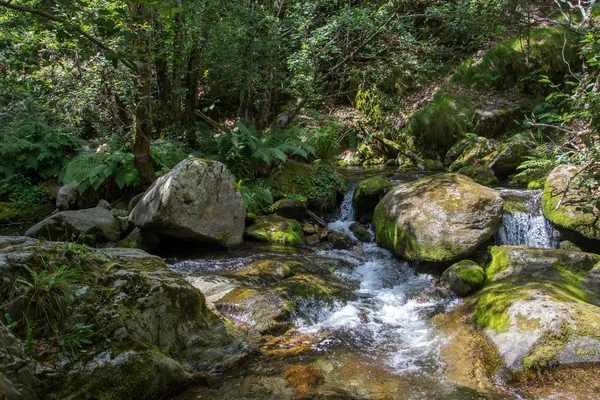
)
(473, 151)
(505, 160)
(15, 213)
(464, 277)
(276, 229)
(568, 204)
(91, 226)
(443, 217)
(480, 174)
(366, 196)
(140, 239)
(291, 208)
(360, 232)
(432, 165)
(340, 240)
(196, 201)
(147, 328)
(320, 185)
(539, 307)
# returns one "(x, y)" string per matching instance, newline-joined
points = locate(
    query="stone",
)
(479, 173)
(360, 232)
(196, 201)
(312, 240)
(539, 307)
(444, 217)
(309, 229)
(11, 212)
(432, 165)
(16, 379)
(339, 240)
(160, 327)
(91, 226)
(276, 229)
(568, 204)
(474, 151)
(66, 199)
(88, 199)
(291, 208)
(134, 201)
(140, 239)
(505, 160)
(366, 196)
(464, 277)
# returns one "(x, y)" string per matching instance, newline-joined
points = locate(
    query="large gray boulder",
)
(91, 226)
(148, 329)
(568, 203)
(197, 201)
(539, 307)
(443, 217)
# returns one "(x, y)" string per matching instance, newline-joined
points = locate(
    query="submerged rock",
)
(339, 240)
(439, 218)
(276, 229)
(196, 201)
(360, 232)
(366, 196)
(539, 307)
(569, 204)
(159, 326)
(92, 225)
(464, 277)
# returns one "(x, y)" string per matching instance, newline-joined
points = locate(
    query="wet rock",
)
(66, 198)
(464, 277)
(539, 307)
(568, 204)
(505, 160)
(92, 225)
(303, 378)
(291, 208)
(196, 201)
(444, 217)
(432, 165)
(312, 240)
(140, 239)
(309, 229)
(161, 328)
(366, 196)
(480, 174)
(339, 240)
(276, 229)
(360, 232)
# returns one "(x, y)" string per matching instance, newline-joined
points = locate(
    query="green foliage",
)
(95, 169)
(167, 155)
(19, 190)
(329, 140)
(256, 195)
(50, 291)
(251, 153)
(78, 336)
(321, 187)
(537, 167)
(442, 123)
(33, 146)
(368, 103)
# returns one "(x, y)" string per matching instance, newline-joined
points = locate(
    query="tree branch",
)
(51, 17)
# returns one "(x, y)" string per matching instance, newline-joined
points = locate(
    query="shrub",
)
(19, 190)
(167, 155)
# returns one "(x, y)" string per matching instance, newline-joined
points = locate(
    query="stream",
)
(382, 345)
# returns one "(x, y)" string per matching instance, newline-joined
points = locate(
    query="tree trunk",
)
(178, 67)
(191, 97)
(162, 82)
(142, 85)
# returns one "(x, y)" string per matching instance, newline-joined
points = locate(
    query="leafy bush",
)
(441, 124)
(167, 155)
(321, 188)
(32, 146)
(95, 169)
(251, 153)
(256, 195)
(328, 140)
(19, 190)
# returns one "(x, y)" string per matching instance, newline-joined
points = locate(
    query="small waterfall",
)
(525, 224)
(346, 214)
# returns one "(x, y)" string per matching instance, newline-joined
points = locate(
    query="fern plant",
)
(94, 169)
(33, 146)
(251, 153)
(167, 155)
(256, 195)
(537, 167)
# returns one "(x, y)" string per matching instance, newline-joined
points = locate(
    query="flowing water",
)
(382, 345)
(525, 225)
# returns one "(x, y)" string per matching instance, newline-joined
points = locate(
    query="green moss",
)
(492, 307)
(275, 229)
(541, 357)
(473, 275)
(566, 216)
(187, 198)
(225, 236)
(12, 213)
(480, 174)
(371, 186)
(500, 260)
(527, 324)
(536, 185)
(512, 206)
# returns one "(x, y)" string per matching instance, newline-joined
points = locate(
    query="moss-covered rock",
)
(290, 208)
(366, 196)
(360, 232)
(11, 213)
(505, 160)
(480, 174)
(472, 152)
(444, 217)
(320, 185)
(339, 240)
(276, 229)
(464, 277)
(144, 328)
(568, 204)
(539, 306)
(432, 165)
